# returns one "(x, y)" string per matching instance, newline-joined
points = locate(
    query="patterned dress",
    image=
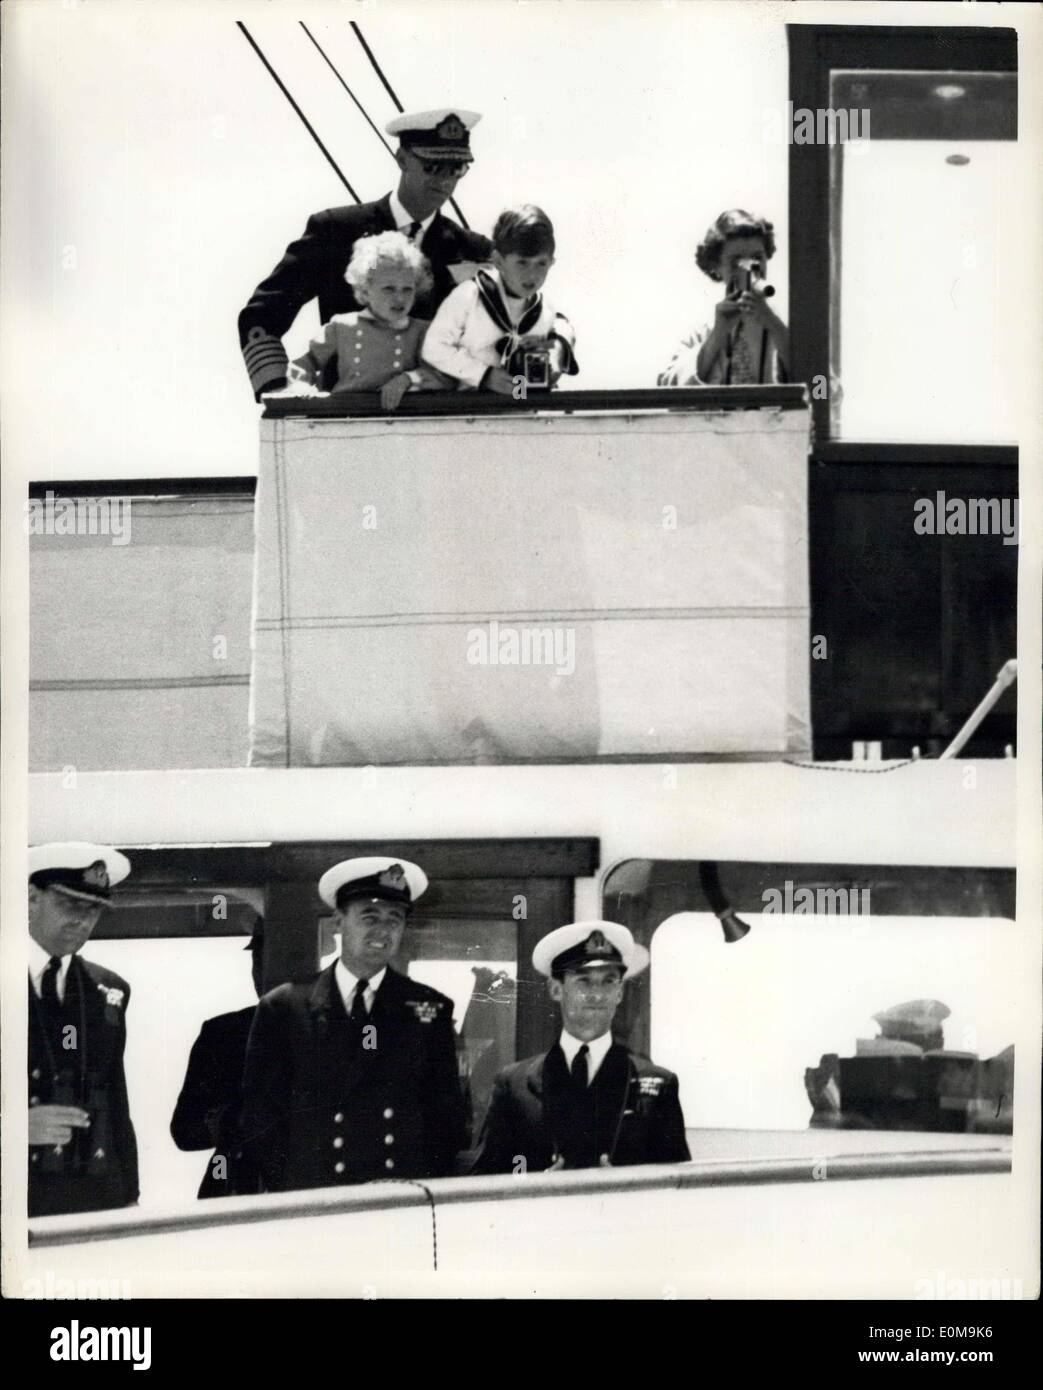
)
(364, 353)
(750, 359)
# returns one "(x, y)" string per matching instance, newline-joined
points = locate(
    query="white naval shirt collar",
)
(38, 961)
(406, 219)
(346, 983)
(596, 1051)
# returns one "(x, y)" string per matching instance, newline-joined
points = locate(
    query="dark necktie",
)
(49, 984)
(412, 232)
(358, 1003)
(579, 1067)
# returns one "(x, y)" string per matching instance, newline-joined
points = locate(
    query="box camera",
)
(532, 365)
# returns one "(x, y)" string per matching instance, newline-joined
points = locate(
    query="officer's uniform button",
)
(389, 1163)
(358, 359)
(99, 1153)
(338, 1143)
(338, 1167)
(389, 1138)
(389, 1114)
(338, 1118)
(35, 1158)
(35, 1073)
(34, 1100)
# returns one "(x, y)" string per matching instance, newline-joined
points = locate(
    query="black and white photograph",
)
(521, 645)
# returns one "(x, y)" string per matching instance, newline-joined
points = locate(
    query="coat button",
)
(338, 1118)
(99, 1153)
(36, 1073)
(389, 1138)
(34, 1100)
(389, 1114)
(389, 1163)
(338, 1143)
(34, 1157)
(338, 1167)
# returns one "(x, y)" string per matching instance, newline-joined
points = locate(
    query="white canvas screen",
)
(496, 590)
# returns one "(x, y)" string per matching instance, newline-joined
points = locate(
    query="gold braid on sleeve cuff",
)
(265, 358)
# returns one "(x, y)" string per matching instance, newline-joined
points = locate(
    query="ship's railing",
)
(436, 1192)
(785, 1225)
(361, 404)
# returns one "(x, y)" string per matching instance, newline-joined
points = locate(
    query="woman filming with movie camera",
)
(747, 342)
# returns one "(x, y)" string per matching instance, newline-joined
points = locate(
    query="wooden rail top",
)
(684, 399)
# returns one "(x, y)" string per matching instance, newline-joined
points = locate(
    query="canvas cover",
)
(538, 588)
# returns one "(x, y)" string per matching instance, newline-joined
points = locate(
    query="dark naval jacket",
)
(313, 268)
(327, 1101)
(537, 1115)
(207, 1112)
(98, 1168)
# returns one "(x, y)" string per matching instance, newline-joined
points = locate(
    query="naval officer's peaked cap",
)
(915, 1016)
(441, 134)
(582, 944)
(375, 877)
(78, 869)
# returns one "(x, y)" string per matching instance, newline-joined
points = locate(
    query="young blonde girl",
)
(377, 347)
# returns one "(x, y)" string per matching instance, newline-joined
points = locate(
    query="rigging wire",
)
(350, 93)
(307, 124)
(398, 105)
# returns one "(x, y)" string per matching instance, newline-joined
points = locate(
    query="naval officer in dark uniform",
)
(433, 155)
(353, 1076)
(588, 1102)
(208, 1110)
(82, 1152)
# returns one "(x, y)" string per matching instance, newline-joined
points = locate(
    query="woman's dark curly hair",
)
(733, 223)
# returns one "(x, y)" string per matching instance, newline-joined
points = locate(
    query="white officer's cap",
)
(77, 868)
(441, 134)
(376, 877)
(582, 944)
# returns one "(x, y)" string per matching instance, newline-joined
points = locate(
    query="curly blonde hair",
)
(383, 248)
(735, 222)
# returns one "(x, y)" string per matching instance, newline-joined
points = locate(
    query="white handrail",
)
(1007, 676)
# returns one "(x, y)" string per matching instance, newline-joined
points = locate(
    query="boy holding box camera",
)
(497, 332)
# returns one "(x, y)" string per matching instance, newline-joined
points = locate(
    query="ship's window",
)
(765, 979)
(176, 983)
(742, 1023)
(928, 257)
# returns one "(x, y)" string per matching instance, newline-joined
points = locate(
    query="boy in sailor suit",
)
(377, 347)
(490, 320)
